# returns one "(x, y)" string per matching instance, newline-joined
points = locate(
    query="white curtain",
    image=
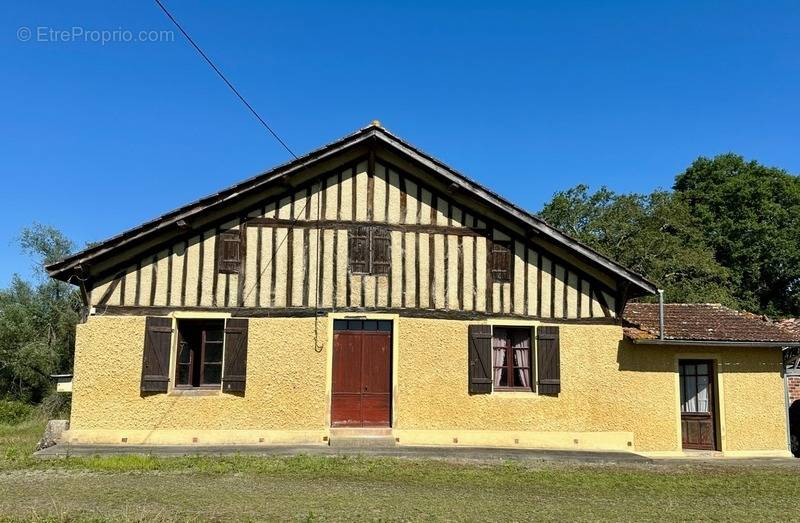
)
(521, 359)
(499, 361)
(702, 394)
(690, 394)
(694, 394)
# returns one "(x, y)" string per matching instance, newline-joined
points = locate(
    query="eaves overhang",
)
(715, 343)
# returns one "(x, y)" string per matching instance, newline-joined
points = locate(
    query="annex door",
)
(698, 421)
(362, 362)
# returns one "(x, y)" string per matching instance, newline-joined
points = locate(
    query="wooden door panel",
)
(361, 381)
(698, 431)
(346, 380)
(376, 371)
(346, 363)
(376, 410)
(346, 410)
(706, 433)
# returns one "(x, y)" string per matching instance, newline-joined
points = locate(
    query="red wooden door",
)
(698, 421)
(361, 389)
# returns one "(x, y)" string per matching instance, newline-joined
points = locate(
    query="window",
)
(369, 249)
(511, 358)
(229, 253)
(501, 261)
(695, 384)
(362, 325)
(199, 359)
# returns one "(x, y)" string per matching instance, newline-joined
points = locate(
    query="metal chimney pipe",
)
(661, 314)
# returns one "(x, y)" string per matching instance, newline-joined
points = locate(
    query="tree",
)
(654, 235)
(37, 320)
(750, 215)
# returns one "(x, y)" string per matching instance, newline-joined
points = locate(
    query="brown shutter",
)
(155, 361)
(229, 253)
(358, 249)
(480, 359)
(549, 360)
(501, 261)
(381, 250)
(235, 373)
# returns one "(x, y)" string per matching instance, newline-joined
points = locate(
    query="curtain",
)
(702, 394)
(690, 394)
(499, 361)
(522, 359)
(521, 342)
(695, 385)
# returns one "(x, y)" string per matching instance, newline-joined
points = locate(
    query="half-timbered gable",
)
(366, 234)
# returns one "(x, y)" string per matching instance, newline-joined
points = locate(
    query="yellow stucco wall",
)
(607, 386)
(615, 395)
(285, 388)
(596, 396)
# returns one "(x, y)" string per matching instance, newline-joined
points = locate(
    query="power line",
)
(300, 212)
(224, 79)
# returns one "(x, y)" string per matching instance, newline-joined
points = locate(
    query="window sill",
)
(196, 391)
(514, 393)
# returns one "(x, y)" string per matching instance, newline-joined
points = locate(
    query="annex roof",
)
(702, 322)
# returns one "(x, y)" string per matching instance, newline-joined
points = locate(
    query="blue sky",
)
(528, 98)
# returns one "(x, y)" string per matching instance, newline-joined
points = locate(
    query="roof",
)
(373, 134)
(702, 322)
(792, 325)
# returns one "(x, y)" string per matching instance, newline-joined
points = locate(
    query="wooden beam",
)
(346, 224)
(304, 312)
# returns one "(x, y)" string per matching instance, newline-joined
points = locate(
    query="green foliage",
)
(45, 244)
(18, 442)
(750, 215)
(56, 405)
(729, 233)
(13, 412)
(37, 321)
(654, 235)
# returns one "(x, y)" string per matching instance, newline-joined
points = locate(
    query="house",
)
(369, 289)
(717, 350)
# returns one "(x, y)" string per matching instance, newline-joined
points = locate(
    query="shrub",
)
(14, 412)
(55, 405)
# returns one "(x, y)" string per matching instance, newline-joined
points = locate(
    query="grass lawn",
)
(323, 488)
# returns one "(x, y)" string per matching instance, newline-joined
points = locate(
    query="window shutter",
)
(235, 373)
(501, 261)
(155, 361)
(549, 360)
(229, 257)
(381, 250)
(358, 249)
(480, 359)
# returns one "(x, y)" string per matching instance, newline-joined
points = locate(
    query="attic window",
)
(229, 253)
(369, 249)
(500, 260)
